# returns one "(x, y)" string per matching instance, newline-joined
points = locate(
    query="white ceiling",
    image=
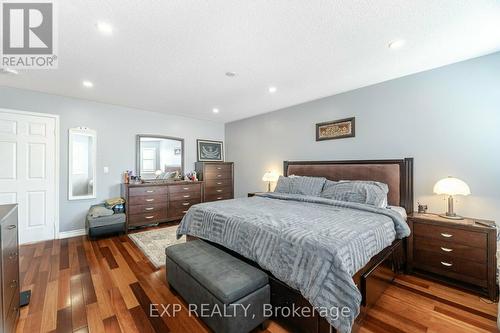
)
(172, 56)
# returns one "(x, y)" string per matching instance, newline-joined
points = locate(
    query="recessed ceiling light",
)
(105, 28)
(215, 110)
(8, 71)
(87, 84)
(230, 74)
(397, 44)
(272, 90)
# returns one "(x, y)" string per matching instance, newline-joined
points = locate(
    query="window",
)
(149, 159)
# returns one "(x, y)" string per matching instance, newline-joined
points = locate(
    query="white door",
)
(28, 171)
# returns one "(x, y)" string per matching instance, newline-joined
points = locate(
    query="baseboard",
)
(72, 233)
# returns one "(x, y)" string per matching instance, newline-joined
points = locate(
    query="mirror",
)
(159, 157)
(82, 163)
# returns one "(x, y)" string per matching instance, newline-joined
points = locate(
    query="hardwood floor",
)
(109, 285)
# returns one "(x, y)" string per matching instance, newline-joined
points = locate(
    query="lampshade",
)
(270, 176)
(451, 186)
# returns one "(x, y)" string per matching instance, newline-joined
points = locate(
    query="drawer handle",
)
(150, 191)
(218, 198)
(149, 217)
(184, 211)
(186, 196)
(219, 176)
(219, 168)
(185, 188)
(149, 208)
(447, 264)
(446, 235)
(219, 191)
(445, 249)
(185, 203)
(13, 284)
(219, 183)
(12, 226)
(150, 200)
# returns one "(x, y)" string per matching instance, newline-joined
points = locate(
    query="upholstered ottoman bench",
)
(105, 225)
(223, 291)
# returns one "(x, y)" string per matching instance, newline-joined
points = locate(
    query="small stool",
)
(105, 225)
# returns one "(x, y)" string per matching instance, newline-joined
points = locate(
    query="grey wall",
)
(448, 119)
(116, 129)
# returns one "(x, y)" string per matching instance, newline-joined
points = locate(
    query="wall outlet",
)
(106, 170)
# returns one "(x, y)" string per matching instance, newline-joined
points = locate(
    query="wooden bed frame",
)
(377, 275)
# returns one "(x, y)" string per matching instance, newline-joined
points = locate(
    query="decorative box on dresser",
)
(459, 252)
(153, 203)
(218, 178)
(9, 275)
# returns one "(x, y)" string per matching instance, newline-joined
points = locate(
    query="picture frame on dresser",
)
(210, 150)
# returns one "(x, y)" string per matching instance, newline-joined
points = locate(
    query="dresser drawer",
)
(184, 188)
(469, 238)
(151, 208)
(11, 314)
(177, 213)
(10, 270)
(219, 190)
(148, 200)
(450, 248)
(216, 175)
(147, 218)
(448, 265)
(218, 168)
(217, 197)
(218, 183)
(182, 204)
(147, 190)
(185, 196)
(9, 234)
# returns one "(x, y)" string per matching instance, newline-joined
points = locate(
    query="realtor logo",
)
(28, 34)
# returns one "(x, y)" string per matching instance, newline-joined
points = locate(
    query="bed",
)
(319, 253)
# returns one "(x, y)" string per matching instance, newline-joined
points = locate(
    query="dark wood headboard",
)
(397, 174)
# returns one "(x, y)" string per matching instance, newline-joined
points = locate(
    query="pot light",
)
(397, 44)
(215, 110)
(272, 90)
(87, 84)
(105, 28)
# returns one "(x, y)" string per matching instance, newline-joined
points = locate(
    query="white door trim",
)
(57, 156)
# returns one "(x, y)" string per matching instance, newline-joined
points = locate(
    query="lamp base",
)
(452, 217)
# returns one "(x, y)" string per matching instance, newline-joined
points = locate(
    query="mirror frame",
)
(90, 133)
(138, 152)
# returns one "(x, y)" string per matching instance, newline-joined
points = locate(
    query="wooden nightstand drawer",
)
(466, 237)
(445, 264)
(450, 248)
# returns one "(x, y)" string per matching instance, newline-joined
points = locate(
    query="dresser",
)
(459, 252)
(218, 178)
(153, 203)
(9, 307)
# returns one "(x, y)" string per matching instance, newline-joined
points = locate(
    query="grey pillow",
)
(366, 192)
(300, 185)
(98, 211)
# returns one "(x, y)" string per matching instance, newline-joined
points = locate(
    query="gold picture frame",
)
(336, 129)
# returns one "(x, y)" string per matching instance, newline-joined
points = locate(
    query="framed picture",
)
(336, 129)
(210, 151)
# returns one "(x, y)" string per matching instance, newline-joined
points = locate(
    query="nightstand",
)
(458, 252)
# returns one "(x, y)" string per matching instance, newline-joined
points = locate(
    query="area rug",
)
(154, 242)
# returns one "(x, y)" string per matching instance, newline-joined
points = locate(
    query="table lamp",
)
(270, 177)
(451, 186)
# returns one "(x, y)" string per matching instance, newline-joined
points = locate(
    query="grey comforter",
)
(314, 245)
